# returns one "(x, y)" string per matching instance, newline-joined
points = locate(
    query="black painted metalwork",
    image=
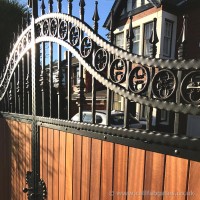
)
(153, 51)
(42, 189)
(31, 85)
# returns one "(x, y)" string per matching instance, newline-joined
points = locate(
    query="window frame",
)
(143, 50)
(135, 41)
(120, 33)
(172, 26)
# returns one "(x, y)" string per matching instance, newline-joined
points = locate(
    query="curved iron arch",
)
(108, 47)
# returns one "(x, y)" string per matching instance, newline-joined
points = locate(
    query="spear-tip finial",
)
(184, 28)
(111, 20)
(82, 3)
(130, 34)
(96, 14)
(154, 38)
(43, 7)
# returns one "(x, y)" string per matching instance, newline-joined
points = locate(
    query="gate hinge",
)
(41, 191)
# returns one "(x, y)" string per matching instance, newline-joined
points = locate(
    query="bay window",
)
(147, 34)
(167, 38)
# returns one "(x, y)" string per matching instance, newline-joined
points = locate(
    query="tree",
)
(12, 13)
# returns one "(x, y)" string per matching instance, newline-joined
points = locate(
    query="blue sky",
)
(104, 9)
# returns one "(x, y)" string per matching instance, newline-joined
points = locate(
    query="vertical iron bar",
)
(50, 65)
(59, 6)
(59, 84)
(15, 92)
(8, 102)
(42, 78)
(109, 92)
(19, 88)
(69, 64)
(42, 73)
(181, 56)
(81, 82)
(153, 41)
(50, 77)
(59, 68)
(130, 37)
(28, 82)
(95, 19)
(23, 83)
(50, 6)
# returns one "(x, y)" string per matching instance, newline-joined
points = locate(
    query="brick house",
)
(169, 15)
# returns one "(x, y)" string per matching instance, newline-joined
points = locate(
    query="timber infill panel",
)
(15, 158)
(77, 160)
(87, 167)
(117, 171)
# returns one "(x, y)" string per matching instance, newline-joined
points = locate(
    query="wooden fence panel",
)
(176, 175)
(120, 172)
(95, 181)
(154, 175)
(135, 174)
(69, 166)
(85, 173)
(5, 155)
(79, 168)
(62, 167)
(194, 181)
(15, 156)
(107, 171)
(50, 158)
(77, 162)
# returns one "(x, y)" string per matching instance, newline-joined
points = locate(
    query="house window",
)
(143, 112)
(167, 38)
(164, 117)
(116, 102)
(120, 40)
(147, 34)
(75, 75)
(136, 40)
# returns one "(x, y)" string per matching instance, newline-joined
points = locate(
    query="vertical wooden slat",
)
(16, 148)
(29, 144)
(120, 171)
(62, 166)
(135, 173)
(24, 160)
(56, 144)
(95, 169)
(77, 167)
(107, 171)
(194, 181)
(86, 158)
(41, 152)
(9, 134)
(154, 174)
(69, 166)
(45, 154)
(175, 178)
(20, 159)
(2, 177)
(50, 164)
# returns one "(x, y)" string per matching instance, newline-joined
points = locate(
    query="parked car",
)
(117, 118)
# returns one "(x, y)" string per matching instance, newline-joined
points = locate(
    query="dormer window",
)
(133, 4)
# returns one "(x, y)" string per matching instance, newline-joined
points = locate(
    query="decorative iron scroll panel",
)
(30, 86)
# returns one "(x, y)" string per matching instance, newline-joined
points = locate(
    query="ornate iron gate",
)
(42, 93)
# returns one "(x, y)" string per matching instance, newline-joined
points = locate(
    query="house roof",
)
(119, 5)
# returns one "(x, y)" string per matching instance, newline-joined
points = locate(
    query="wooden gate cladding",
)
(15, 154)
(90, 169)
(81, 168)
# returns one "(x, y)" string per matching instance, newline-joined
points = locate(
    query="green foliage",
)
(11, 14)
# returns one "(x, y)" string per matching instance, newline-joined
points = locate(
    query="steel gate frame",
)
(176, 145)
